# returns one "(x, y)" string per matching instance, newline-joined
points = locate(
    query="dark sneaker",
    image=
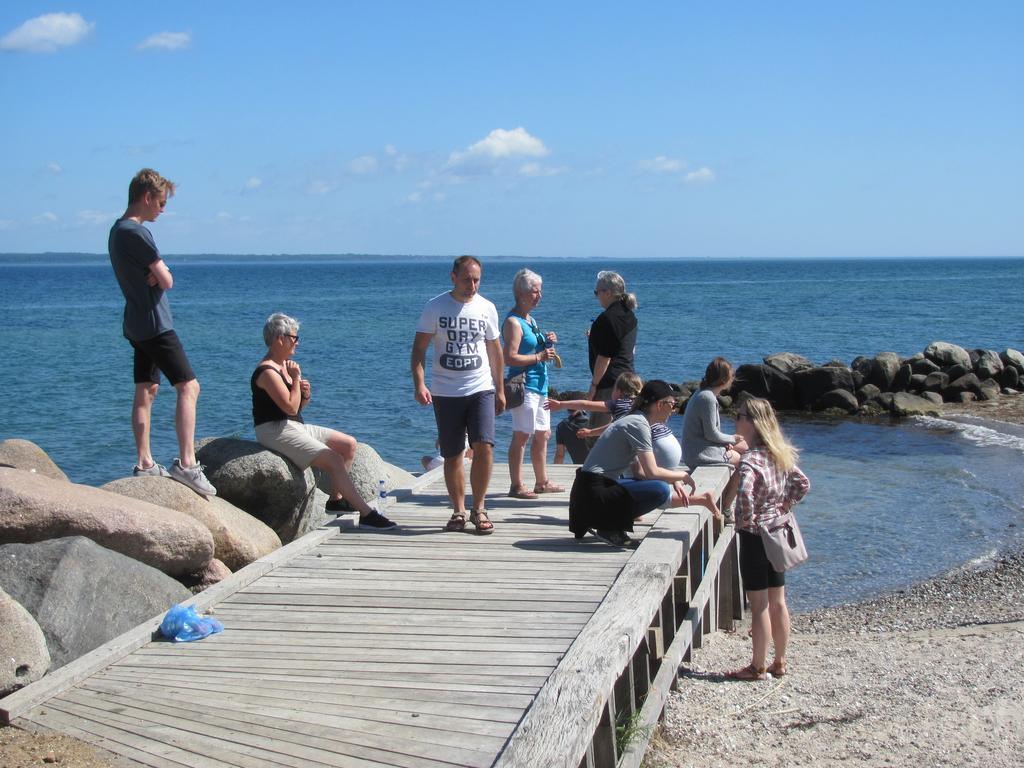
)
(376, 520)
(193, 477)
(157, 470)
(337, 506)
(614, 538)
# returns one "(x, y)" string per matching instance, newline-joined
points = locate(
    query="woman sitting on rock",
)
(279, 393)
(770, 485)
(602, 501)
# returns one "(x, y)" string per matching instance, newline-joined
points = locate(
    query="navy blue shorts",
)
(161, 353)
(755, 567)
(458, 416)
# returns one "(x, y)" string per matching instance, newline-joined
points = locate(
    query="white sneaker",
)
(156, 470)
(193, 477)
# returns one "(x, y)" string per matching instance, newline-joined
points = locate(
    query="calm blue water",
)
(67, 382)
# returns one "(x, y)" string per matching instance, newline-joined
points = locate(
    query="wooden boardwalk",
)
(413, 647)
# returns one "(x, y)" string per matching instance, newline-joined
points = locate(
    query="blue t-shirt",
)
(147, 313)
(532, 343)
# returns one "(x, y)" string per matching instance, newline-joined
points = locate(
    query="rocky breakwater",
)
(884, 384)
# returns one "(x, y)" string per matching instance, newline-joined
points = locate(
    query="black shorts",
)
(458, 416)
(161, 353)
(755, 568)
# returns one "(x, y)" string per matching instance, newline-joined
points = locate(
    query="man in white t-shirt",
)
(467, 390)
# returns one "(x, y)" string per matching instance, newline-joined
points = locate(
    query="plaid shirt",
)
(766, 493)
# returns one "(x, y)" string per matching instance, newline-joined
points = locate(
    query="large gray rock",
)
(767, 382)
(906, 404)
(1009, 377)
(788, 362)
(916, 383)
(24, 657)
(933, 397)
(265, 484)
(1013, 357)
(367, 470)
(966, 383)
(214, 573)
(879, 370)
(989, 366)
(238, 537)
(924, 366)
(36, 508)
(956, 371)
(936, 382)
(867, 393)
(944, 354)
(989, 390)
(839, 399)
(81, 594)
(815, 382)
(26, 455)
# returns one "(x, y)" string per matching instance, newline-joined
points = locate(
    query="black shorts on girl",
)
(755, 568)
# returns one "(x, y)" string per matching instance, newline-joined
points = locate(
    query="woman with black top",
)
(279, 393)
(612, 339)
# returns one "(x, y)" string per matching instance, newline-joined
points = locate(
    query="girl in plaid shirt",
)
(770, 484)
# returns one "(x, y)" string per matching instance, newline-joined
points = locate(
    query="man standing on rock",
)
(467, 390)
(144, 279)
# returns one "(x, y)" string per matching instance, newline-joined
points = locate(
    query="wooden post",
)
(606, 753)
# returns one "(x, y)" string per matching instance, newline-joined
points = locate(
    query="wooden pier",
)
(416, 647)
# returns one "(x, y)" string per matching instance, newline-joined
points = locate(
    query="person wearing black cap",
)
(604, 503)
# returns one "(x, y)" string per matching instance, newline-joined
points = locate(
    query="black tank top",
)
(264, 408)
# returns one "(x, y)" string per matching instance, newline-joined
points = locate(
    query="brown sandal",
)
(777, 669)
(457, 522)
(478, 517)
(521, 493)
(749, 673)
(548, 487)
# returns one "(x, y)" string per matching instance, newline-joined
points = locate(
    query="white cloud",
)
(535, 170)
(253, 182)
(7, 224)
(166, 41)
(54, 168)
(500, 144)
(662, 164)
(90, 216)
(364, 164)
(47, 33)
(391, 150)
(224, 216)
(701, 176)
(46, 217)
(319, 187)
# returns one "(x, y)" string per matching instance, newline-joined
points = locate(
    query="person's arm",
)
(797, 486)
(288, 399)
(746, 492)
(419, 367)
(707, 407)
(585, 433)
(577, 405)
(305, 392)
(601, 364)
(160, 276)
(497, 363)
(682, 483)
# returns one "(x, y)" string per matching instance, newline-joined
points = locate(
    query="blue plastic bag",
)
(182, 624)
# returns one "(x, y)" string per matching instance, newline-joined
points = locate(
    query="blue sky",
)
(536, 129)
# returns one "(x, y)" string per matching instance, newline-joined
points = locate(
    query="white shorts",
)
(301, 443)
(531, 416)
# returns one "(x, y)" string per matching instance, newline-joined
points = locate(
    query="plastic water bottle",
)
(382, 494)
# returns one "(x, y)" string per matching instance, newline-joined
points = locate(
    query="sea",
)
(890, 504)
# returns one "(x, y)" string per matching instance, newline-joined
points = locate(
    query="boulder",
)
(81, 594)
(1009, 377)
(924, 366)
(724, 402)
(367, 470)
(989, 366)
(23, 654)
(767, 382)
(885, 366)
(238, 537)
(788, 362)
(966, 383)
(1012, 357)
(975, 355)
(26, 455)
(936, 382)
(812, 383)
(934, 397)
(36, 508)
(213, 573)
(989, 390)
(964, 397)
(906, 404)
(916, 383)
(945, 354)
(265, 484)
(956, 371)
(867, 393)
(902, 379)
(837, 399)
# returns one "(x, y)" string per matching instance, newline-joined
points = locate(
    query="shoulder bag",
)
(783, 543)
(515, 390)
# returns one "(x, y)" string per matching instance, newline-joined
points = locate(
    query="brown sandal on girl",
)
(548, 487)
(777, 669)
(748, 673)
(457, 522)
(478, 517)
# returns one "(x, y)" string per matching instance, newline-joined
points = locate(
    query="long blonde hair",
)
(769, 433)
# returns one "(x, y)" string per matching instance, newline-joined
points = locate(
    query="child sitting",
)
(626, 388)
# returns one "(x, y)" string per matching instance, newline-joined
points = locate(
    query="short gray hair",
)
(279, 324)
(524, 281)
(613, 282)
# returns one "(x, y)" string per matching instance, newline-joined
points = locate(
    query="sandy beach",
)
(932, 675)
